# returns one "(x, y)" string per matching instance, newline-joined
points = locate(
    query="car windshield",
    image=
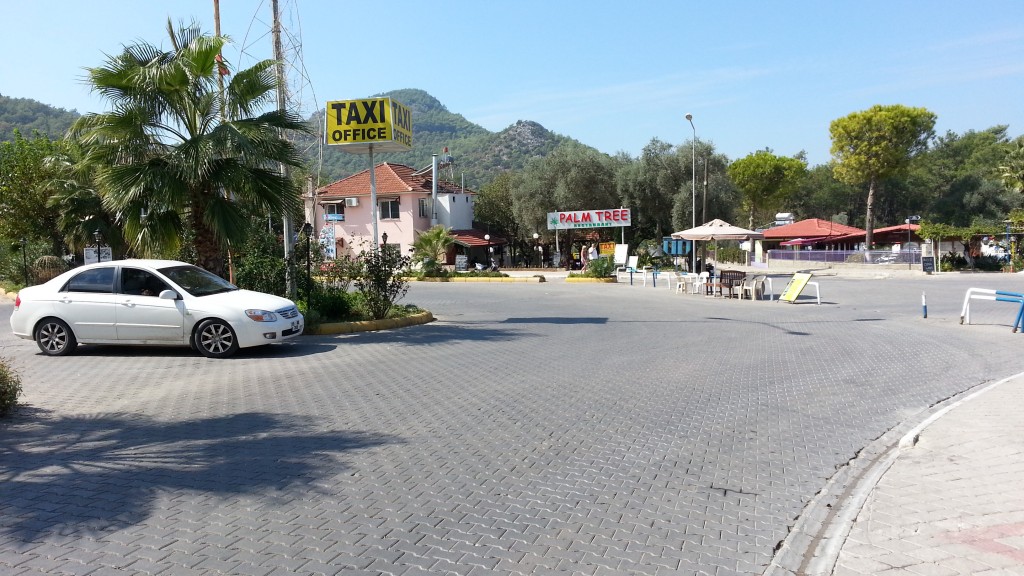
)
(196, 281)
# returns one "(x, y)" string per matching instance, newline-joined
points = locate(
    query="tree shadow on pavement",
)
(433, 333)
(98, 473)
(556, 320)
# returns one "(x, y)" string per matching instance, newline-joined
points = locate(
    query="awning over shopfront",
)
(473, 238)
(804, 241)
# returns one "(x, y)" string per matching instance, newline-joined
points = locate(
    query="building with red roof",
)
(809, 232)
(342, 211)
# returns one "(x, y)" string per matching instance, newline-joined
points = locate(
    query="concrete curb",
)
(910, 438)
(592, 280)
(371, 325)
(480, 279)
(818, 537)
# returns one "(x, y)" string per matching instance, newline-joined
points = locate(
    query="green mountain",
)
(479, 154)
(26, 115)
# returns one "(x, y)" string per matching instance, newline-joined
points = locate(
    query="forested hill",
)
(27, 115)
(479, 154)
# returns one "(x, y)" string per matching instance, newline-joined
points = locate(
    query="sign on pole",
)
(359, 126)
(362, 126)
(589, 219)
(92, 254)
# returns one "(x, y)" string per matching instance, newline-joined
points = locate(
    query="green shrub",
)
(731, 254)
(988, 263)
(600, 268)
(311, 317)
(10, 388)
(46, 268)
(332, 304)
(482, 274)
(953, 261)
(339, 272)
(434, 273)
(382, 279)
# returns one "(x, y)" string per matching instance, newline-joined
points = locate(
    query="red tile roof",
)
(475, 238)
(888, 231)
(810, 228)
(901, 228)
(391, 179)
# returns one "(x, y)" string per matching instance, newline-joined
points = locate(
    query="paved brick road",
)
(533, 429)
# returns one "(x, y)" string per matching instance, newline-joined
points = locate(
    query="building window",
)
(425, 207)
(389, 209)
(334, 212)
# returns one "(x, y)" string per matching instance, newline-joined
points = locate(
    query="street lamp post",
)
(693, 181)
(910, 257)
(98, 236)
(487, 254)
(536, 248)
(307, 229)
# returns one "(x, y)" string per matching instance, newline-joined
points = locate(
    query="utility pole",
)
(221, 70)
(289, 232)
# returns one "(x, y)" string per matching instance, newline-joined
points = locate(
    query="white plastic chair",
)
(684, 282)
(622, 272)
(702, 283)
(753, 287)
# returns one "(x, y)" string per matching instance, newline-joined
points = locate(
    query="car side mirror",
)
(168, 295)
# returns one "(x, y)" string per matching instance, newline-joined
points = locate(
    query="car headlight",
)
(261, 315)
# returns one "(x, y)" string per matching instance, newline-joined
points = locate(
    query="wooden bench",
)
(728, 281)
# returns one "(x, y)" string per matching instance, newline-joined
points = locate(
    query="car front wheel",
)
(215, 339)
(55, 338)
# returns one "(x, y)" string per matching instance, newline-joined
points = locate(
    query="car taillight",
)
(17, 301)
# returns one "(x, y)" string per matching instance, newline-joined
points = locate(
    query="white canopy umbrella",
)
(717, 230)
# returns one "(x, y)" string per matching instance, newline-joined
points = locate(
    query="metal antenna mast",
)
(282, 105)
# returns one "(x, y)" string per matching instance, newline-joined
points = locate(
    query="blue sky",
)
(754, 75)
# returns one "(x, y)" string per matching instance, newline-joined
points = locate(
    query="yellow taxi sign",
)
(355, 125)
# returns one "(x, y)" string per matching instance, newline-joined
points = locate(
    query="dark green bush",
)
(731, 254)
(259, 264)
(952, 261)
(332, 304)
(311, 317)
(482, 274)
(10, 388)
(988, 263)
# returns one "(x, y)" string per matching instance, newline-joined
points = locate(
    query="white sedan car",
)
(161, 302)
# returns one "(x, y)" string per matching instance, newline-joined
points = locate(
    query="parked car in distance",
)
(150, 302)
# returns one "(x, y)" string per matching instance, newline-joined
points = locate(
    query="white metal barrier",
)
(992, 295)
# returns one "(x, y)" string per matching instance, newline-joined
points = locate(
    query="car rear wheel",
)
(215, 339)
(55, 338)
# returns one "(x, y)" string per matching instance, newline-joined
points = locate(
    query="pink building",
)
(343, 213)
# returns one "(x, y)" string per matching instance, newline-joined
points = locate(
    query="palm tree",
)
(1012, 168)
(430, 247)
(177, 157)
